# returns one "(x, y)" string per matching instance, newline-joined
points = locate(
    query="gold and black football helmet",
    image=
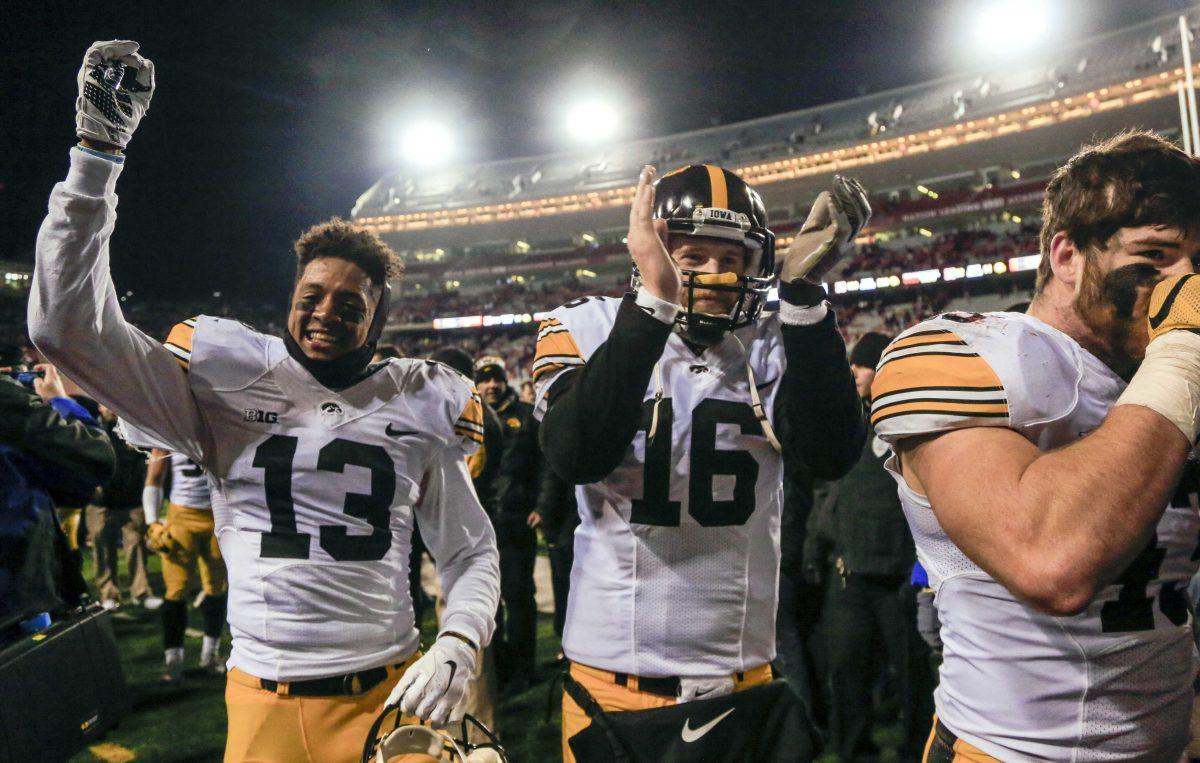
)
(415, 742)
(706, 200)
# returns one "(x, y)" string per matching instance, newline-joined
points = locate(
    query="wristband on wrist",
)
(1168, 381)
(660, 309)
(460, 637)
(151, 502)
(802, 303)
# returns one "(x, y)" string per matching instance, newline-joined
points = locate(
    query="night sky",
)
(270, 116)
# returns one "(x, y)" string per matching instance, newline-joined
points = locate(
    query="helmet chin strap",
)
(349, 369)
(379, 320)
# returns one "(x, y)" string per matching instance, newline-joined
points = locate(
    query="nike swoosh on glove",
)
(704, 688)
(433, 687)
(115, 87)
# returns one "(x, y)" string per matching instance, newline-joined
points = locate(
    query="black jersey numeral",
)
(706, 463)
(276, 456)
(192, 469)
(1133, 609)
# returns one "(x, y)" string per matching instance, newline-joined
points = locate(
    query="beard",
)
(1114, 305)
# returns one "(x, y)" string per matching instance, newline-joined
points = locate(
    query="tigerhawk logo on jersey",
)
(331, 409)
(260, 417)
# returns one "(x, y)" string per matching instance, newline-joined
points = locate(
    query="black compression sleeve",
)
(819, 414)
(596, 411)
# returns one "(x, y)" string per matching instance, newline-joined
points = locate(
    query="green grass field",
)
(187, 725)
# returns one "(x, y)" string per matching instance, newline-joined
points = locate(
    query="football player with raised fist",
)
(675, 411)
(1043, 465)
(320, 462)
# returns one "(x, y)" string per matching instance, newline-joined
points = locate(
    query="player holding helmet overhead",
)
(319, 462)
(1043, 464)
(674, 410)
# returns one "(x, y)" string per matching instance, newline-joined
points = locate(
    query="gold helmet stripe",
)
(716, 181)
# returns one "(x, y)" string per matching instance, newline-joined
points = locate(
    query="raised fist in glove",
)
(836, 218)
(433, 687)
(115, 85)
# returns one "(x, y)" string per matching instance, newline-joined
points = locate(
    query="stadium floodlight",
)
(427, 142)
(592, 120)
(1008, 27)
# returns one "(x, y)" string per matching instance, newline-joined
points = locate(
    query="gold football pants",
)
(192, 530)
(273, 726)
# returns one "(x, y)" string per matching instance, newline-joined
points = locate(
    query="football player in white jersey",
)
(1043, 465)
(319, 463)
(187, 544)
(674, 411)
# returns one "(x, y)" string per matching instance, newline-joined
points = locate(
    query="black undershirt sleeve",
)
(595, 411)
(819, 415)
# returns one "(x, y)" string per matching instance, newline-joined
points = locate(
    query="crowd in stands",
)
(516, 343)
(957, 248)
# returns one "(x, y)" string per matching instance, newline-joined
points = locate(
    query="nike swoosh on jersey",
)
(399, 432)
(689, 734)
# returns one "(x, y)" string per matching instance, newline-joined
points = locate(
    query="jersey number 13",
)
(275, 456)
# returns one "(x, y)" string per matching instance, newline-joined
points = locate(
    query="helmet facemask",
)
(709, 202)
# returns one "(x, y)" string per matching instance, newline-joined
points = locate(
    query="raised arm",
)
(1052, 527)
(819, 416)
(595, 411)
(1056, 527)
(75, 318)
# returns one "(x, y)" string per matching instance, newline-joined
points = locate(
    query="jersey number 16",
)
(655, 507)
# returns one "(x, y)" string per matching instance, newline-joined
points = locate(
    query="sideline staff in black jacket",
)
(520, 470)
(50, 449)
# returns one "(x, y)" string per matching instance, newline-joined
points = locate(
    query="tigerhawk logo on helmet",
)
(705, 200)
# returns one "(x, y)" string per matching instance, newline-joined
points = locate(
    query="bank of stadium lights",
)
(592, 120)
(427, 142)
(1004, 28)
(927, 192)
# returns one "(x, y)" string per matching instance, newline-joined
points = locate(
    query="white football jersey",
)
(677, 553)
(1111, 683)
(189, 483)
(314, 492)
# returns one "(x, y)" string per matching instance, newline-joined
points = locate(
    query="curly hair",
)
(338, 238)
(1133, 179)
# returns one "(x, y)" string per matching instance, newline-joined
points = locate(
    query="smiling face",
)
(332, 306)
(708, 255)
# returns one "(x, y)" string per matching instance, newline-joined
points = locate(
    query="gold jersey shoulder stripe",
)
(555, 341)
(938, 383)
(179, 342)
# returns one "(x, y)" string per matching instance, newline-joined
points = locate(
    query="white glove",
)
(835, 220)
(115, 86)
(433, 687)
(704, 688)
